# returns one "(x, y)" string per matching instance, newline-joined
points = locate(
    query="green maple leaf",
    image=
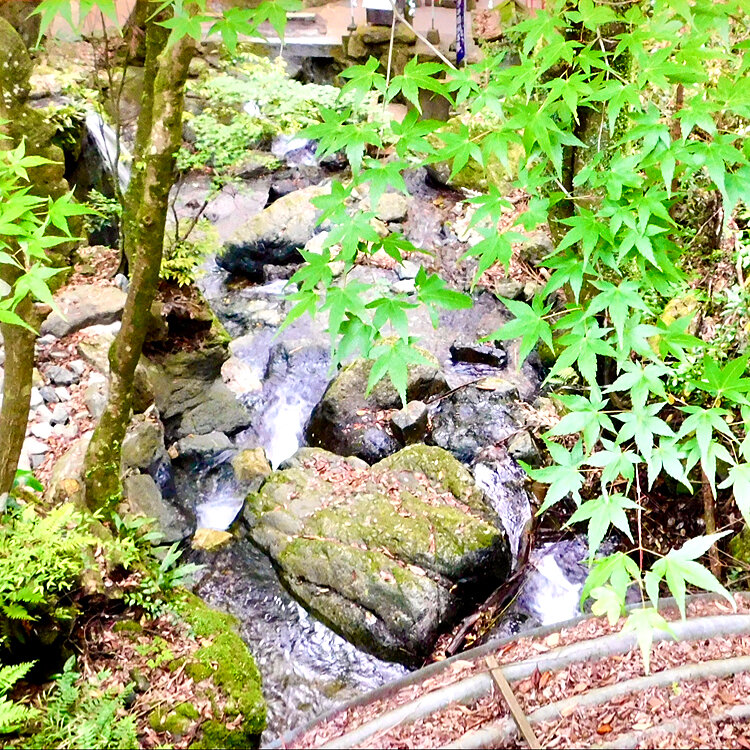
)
(679, 567)
(418, 76)
(642, 424)
(739, 480)
(643, 622)
(618, 571)
(601, 513)
(362, 79)
(392, 358)
(563, 477)
(667, 457)
(585, 415)
(529, 325)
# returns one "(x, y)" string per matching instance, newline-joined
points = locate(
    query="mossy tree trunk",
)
(19, 368)
(159, 136)
(19, 122)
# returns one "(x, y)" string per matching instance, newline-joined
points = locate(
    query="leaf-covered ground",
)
(692, 713)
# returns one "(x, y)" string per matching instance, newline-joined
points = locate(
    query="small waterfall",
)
(502, 482)
(105, 140)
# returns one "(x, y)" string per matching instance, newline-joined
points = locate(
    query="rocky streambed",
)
(346, 532)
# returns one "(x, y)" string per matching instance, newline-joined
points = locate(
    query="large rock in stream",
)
(387, 555)
(275, 235)
(349, 423)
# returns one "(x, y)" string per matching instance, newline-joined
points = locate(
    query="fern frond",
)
(12, 673)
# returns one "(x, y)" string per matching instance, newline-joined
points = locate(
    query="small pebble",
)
(49, 394)
(78, 366)
(63, 394)
(42, 430)
(36, 398)
(59, 415)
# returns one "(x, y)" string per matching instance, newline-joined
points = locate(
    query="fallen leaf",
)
(604, 729)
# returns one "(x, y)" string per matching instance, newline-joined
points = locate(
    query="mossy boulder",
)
(388, 555)
(349, 423)
(275, 235)
(224, 660)
(739, 546)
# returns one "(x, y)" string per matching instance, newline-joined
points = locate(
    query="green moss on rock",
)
(226, 661)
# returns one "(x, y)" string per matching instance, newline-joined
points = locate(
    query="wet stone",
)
(410, 424)
(475, 353)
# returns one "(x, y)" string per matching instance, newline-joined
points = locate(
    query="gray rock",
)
(58, 375)
(36, 460)
(84, 306)
(388, 576)
(62, 393)
(407, 269)
(405, 286)
(34, 447)
(217, 411)
(181, 381)
(392, 207)
(66, 479)
(78, 366)
(476, 353)
(42, 430)
(48, 393)
(67, 431)
(143, 445)
(201, 446)
(59, 415)
(95, 350)
(410, 424)
(144, 498)
(43, 413)
(95, 399)
(508, 288)
(346, 421)
(471, 420)
(275, 235)
(36, 398)
(523, 448)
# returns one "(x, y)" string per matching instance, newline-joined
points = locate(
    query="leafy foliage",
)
(41, 560)
(13, 715)
(616, 113)
(253, 100)
(81, 714)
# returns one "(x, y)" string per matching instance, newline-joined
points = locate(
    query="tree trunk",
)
(19, 367)
(146, 203)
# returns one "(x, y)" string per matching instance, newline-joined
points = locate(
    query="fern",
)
(82, 714)
(13, 715)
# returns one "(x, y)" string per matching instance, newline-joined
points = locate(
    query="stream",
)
(280, 377)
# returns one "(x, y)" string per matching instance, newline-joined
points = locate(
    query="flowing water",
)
(116, 162)
(280, 377)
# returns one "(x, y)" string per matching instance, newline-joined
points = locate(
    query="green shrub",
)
(42, 558)
(224, 132)
(13, 715)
